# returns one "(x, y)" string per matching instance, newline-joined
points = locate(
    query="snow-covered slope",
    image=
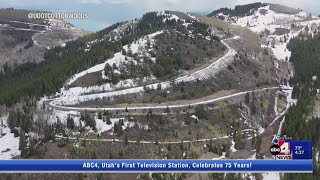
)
(118, 58)
(9, 145)
(264, 17)
(77, 95)
(137, 47)
(126, 28)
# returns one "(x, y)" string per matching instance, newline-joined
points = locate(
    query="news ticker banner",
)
(163, 166)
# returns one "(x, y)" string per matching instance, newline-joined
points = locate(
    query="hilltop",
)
(25, 40)
(249, 9)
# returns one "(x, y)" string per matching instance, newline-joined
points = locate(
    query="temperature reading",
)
(299, 150)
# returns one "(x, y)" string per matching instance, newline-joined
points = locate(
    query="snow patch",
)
(223, 156)
(271, 175)
(253, 156)
(259, 21)
(276, 105)
(118, 57)
(232, 147)
(193, 17)
(9, 145)
(61, 116)
(260, 129)
(103, 126)
(195, 117)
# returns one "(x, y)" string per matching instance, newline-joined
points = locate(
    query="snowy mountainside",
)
(130, 27)
(267, 15)
(259, 23)
(182, 83)
(275, 24)
(239, 10)
(9, 143)
(119, 30)
(264, 16)
(260, 20)
(119, 58)
(74, 95)
(141, 53)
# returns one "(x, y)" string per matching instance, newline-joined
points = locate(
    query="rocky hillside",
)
(26, 40)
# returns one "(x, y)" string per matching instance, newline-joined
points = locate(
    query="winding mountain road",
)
(66, 102)
(205, 73)
(202, 74)
(163, 107)
(142, 142)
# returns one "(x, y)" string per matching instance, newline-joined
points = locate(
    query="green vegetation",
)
(283, 9)
(89, 120)
(265, 105)
(241, 10)
(35, 80)
(281, 104)
(88, 150)
(118, 127)
(214, 22)
(200, 112)
(175, 50)
(70, 122)
(178, 51)
(29, 45)
(32, 80)
(299, 128)
(305, 57)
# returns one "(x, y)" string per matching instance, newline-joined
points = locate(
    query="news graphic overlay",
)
(154, 166)
(302, 150)
(283, 148)
(289, 157)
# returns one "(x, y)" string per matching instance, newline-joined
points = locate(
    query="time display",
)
(299, 152)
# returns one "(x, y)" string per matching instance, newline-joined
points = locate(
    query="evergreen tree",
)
(167, 110)
(157, 141)
(23, 144)
(99, 115)
(110, 155)
(70, 122)
(169, 147)
(108, 120)
(126, 141)
(200, 112)
(181, 145)
(247, 98)
(210, 146)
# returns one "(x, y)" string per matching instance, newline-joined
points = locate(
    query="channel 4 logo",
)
(281, 149)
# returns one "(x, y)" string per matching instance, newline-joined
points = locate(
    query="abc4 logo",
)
(282, 148)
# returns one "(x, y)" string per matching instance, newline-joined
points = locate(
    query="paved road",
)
(163, 107)
(201, 74)
(205, 73)
(142, 142)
